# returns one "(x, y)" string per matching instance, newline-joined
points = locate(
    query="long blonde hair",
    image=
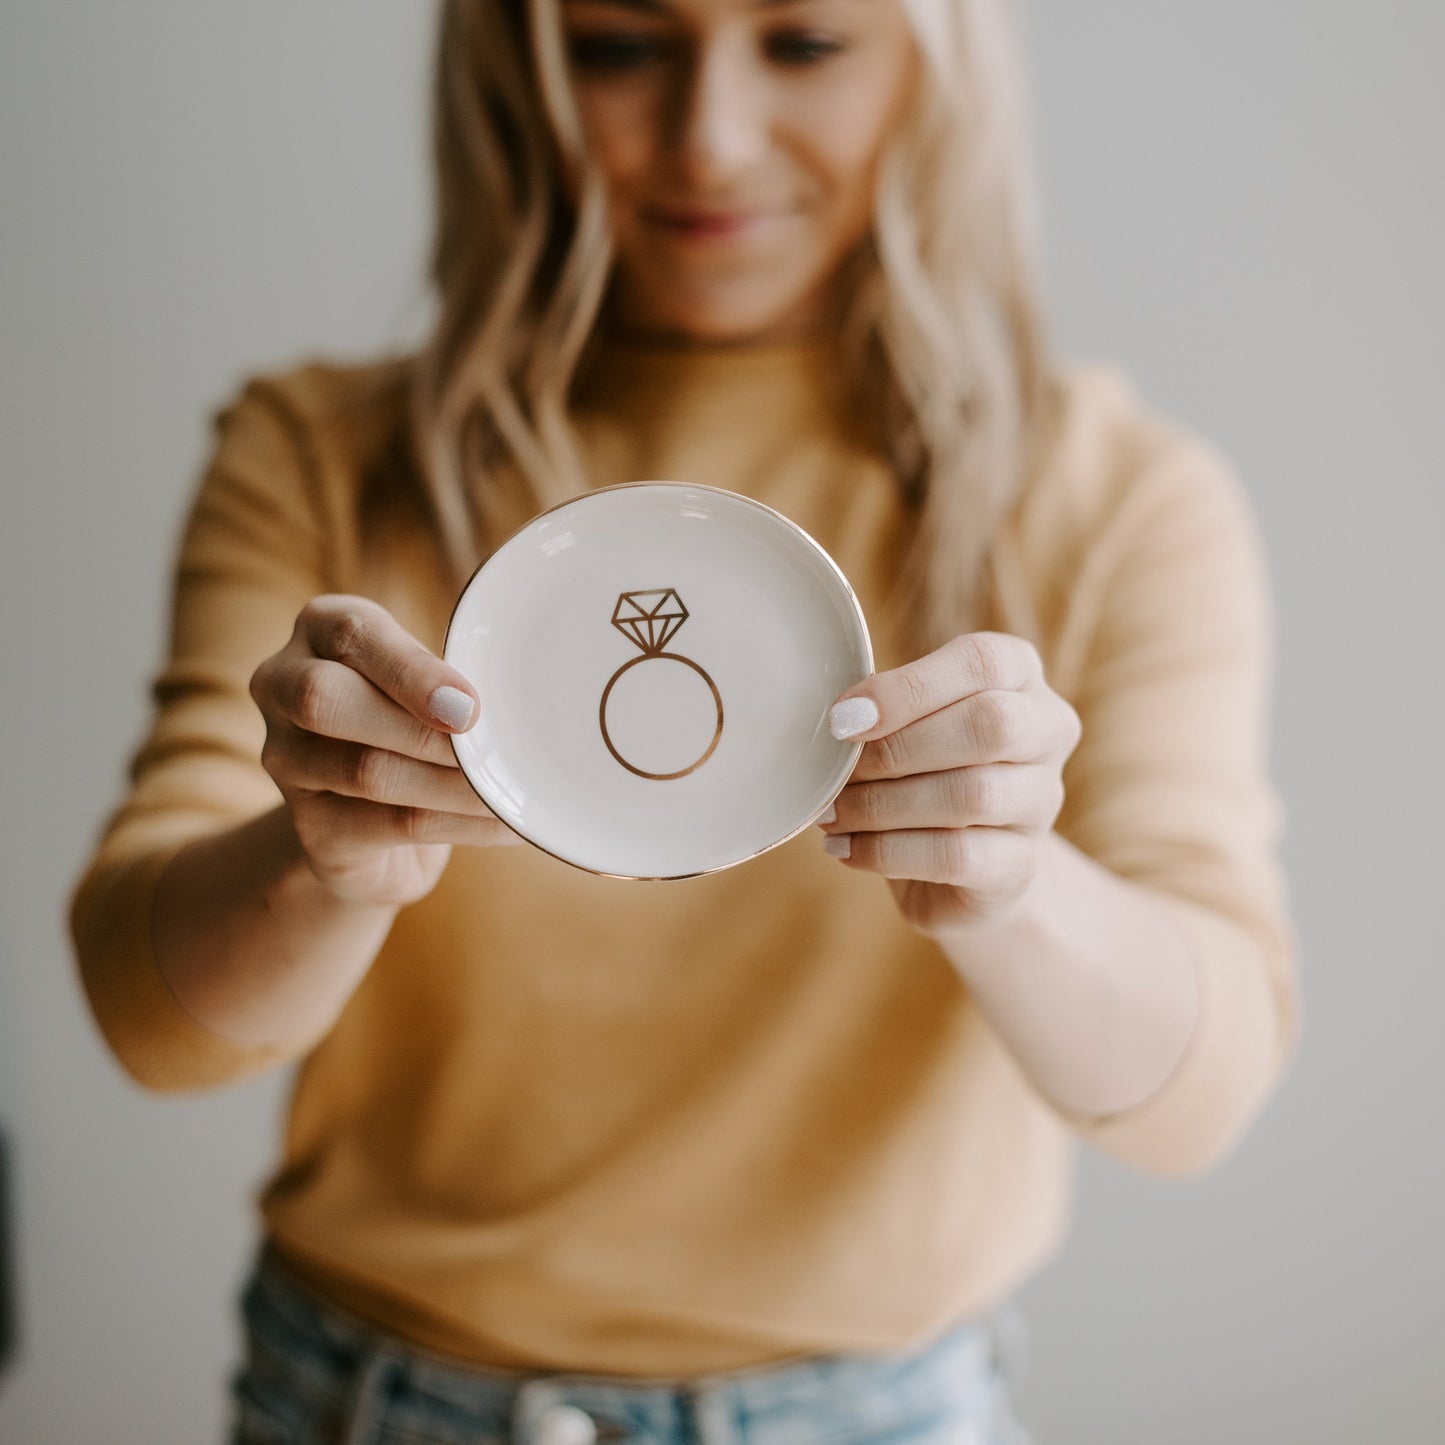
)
(943, 336)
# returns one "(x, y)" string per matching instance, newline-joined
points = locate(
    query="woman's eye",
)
(613, 52)
(796, 47)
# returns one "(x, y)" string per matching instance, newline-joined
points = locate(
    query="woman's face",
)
(739, 140)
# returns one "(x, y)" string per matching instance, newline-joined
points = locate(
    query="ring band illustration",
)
(651, 618)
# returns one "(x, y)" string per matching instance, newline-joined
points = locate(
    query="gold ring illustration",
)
(651, 618)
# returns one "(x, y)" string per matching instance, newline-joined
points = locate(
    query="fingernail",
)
(828, 815)
(838, 845)
(852, 716)
(450, 705)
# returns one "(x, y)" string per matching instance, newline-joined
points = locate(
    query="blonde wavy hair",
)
(942, 332)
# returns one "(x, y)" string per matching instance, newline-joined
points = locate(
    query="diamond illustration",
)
(650, 618)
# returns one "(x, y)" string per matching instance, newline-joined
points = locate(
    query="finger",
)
(329, 700)
(985, 860)
(997, 795)
(364, 636)
(344, 831)
(989, 727)
(931, 907)
(975, 662)
(321, 764)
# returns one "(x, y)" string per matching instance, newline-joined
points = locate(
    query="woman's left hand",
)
(960, 779)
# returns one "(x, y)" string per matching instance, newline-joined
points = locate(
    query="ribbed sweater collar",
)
(794, 384)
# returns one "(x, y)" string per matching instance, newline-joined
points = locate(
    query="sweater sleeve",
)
(1169, 788)
(251, 555)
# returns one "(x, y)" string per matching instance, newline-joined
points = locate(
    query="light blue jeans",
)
(314, 1374)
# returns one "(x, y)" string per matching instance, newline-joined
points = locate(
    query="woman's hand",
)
(357, 717)
(960, 777)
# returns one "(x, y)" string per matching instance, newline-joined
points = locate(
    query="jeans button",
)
(565, 1425)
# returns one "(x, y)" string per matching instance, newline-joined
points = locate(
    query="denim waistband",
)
(344, 1363)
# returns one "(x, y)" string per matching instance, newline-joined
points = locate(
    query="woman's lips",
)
(707, 225)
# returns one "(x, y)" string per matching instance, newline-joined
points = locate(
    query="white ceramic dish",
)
(656, 662)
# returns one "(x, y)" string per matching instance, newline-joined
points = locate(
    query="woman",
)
(761, 1156)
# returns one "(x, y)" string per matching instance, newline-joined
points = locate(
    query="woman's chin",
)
(720, 325)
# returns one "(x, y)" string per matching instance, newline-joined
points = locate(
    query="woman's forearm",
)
(1088, 980)
(250, 942)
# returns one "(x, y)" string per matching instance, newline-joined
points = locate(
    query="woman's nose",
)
(719, 125)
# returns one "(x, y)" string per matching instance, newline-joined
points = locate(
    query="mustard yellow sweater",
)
(568, 1122)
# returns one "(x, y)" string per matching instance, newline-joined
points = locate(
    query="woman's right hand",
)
(357, 718)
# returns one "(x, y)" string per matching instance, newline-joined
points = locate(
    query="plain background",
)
(1242, 204)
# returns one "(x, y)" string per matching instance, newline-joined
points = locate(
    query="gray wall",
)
(1243, 204)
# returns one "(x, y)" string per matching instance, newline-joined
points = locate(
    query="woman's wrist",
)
(1087, 978)
(251, 942)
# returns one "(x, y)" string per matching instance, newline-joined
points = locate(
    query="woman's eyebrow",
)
(659, 7)
(651, 7)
